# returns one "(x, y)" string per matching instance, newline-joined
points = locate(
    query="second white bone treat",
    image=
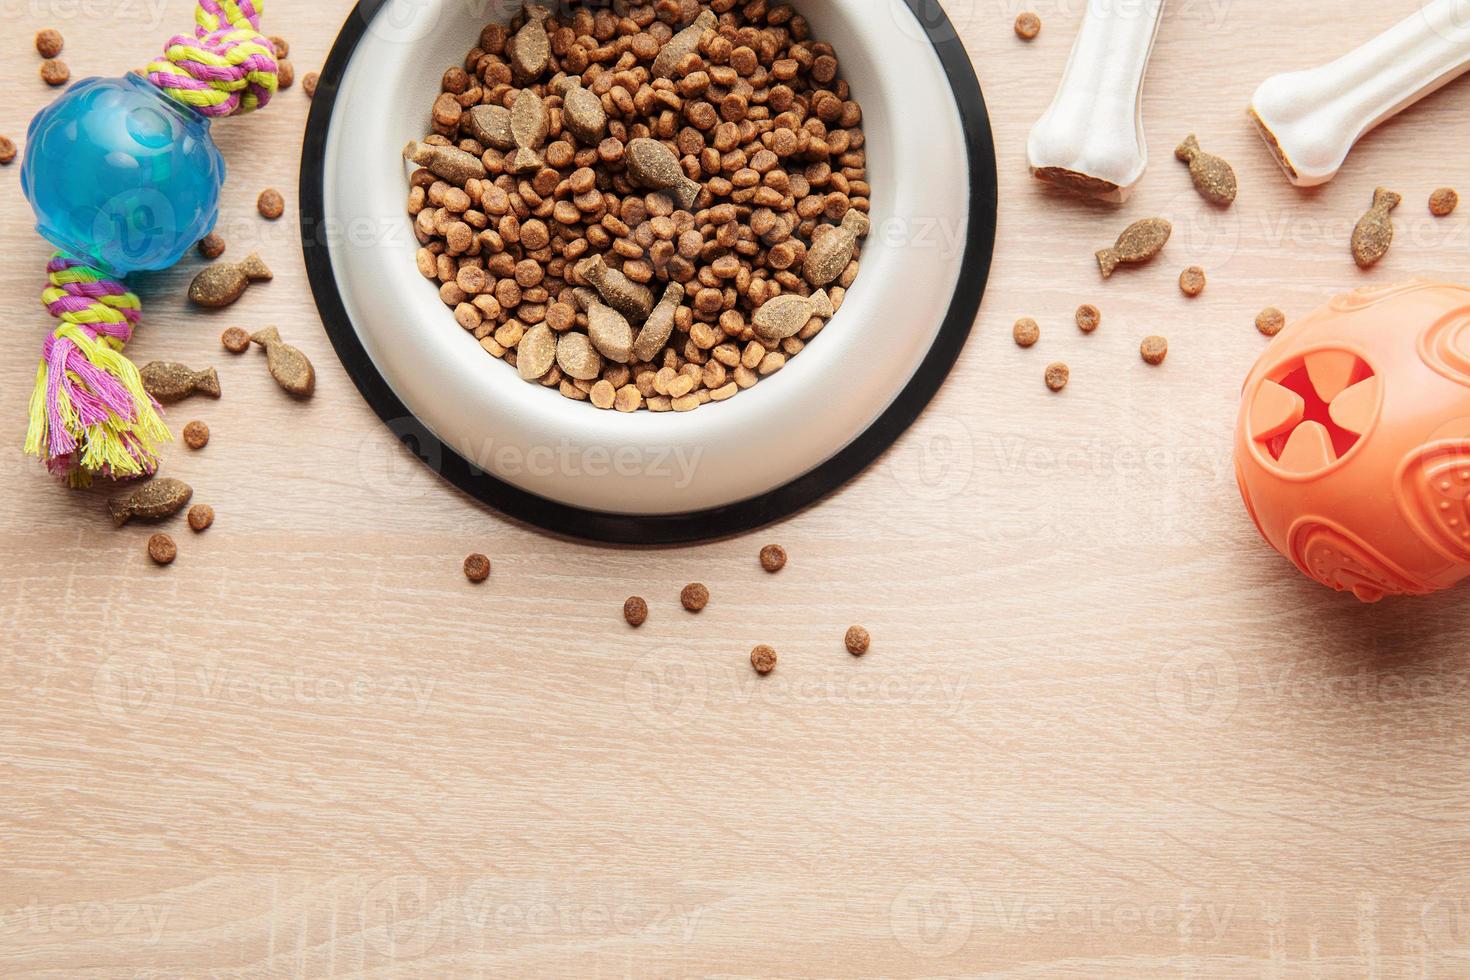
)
(1311, 119)
(1091, 139)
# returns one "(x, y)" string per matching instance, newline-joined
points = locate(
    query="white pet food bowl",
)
(653, 478)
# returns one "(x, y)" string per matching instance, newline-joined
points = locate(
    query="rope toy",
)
(89, 412)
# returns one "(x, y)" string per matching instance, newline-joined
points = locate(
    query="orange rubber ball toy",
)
(1353, 445)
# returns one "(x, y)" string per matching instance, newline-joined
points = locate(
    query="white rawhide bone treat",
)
(1311, 119)
(1091, 139)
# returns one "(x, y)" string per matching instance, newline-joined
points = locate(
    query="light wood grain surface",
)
(1103, 731)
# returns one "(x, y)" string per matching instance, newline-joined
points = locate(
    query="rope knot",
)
(227, 68)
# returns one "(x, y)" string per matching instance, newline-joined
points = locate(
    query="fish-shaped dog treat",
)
(1374, 232)
(652, 165)
(633, 300)
(529, 124)
(659, 325)
(153, 501)
(581, 111)
(1139, 242)
(830, 254)
(1212, 176)
(224, 282)
(169, 382)
(785, 315)
(683, 44)
(292, 371)
(530, 49)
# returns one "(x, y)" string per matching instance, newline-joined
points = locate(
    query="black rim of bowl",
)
(703, 525)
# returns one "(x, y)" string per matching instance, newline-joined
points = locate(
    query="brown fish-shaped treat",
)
(536, 352)
(830, 254)
(529, 123)
(530, 49)
(576, 356)
(224, 282)
(653, 165)
(168, 382)
(608, 329)
(292, 371)
(581, 112)
(490, 124)
(633, 300)
(153, 501)
(1374, 233)
(446, 162)
(683, 44)
(1139, 242)
(1212, 176)
(660, 324)
(785, 315)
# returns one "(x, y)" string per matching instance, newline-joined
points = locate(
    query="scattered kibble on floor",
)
(1192, 281)
(477, 567)
(54, 72)
(196, 435)
(763, 658)
(1443, 202)
(694, 597)
(635, 611)
(1026, 332)
(1057, 376)
(857, 641)
(49, 42)
(162, 550)
(7, 150)
(235, 340)
(1154, 349)
(1089, 318)
(1028, 25)
(308, 84)
(773, 558)
(1270, 321)
(201, 516)
(212, 245)
(271, 204)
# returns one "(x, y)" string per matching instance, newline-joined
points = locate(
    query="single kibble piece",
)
(7, 150)
(857, 641)
(1212, 176)
(1443, 202)
(201, 516)
(1026, 332)
(49, 42)
(581, 111)
(1028, 25)
(162, 550)
(270, 204)
(1139, 242)
(292, 371)
(830, 254)
(225, 282)
(54, 72)
(281, 46)
(447, 162)
(530, 49)
(635, 611)
(773, 558)
(1057, 376)
(787, 314)
(1374, 232)
(683, 44)
(653, 166)
(212, 245)
(694, 597)
(763, 659)
(1270, 321)
(169, 382)
(1089, 318)
(633, 300)
(196, 435)
(1154, 349)
(235, 340)
(477, 567)
(308, 84)
(285, 74)
(153, 501)
(1192, 281)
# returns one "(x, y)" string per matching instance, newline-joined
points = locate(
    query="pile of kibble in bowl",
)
(648, 210)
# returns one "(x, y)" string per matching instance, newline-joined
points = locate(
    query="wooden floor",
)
(1102, 732)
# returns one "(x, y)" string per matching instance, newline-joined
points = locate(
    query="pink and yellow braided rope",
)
(89, 412)
(226, 68)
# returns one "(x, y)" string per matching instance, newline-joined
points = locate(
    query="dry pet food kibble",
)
(1026, 332)
(7, 151)
(1212, 176)
(153, 501)
(169, 382)
(292, 371)
(212, 245)
(162, 550)
(1057, 376)
(54, 72)
(1192, 281)
(1154, 349)
(201, 517)
(309, 82)
(700, 165)
(224, 282)
(635, 611)
(235, 340)
(773, 558)
(1028, 25)
(763, 658)
(49, 43)
(270, 204)
(196, 435)
(281, 46)
(1270, 321)
(857, 641)
(694, 597)
(1443, 202)
(477, 567)
(285, 74)
(1139, 242)
(1089, 318)
(1374, 232)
